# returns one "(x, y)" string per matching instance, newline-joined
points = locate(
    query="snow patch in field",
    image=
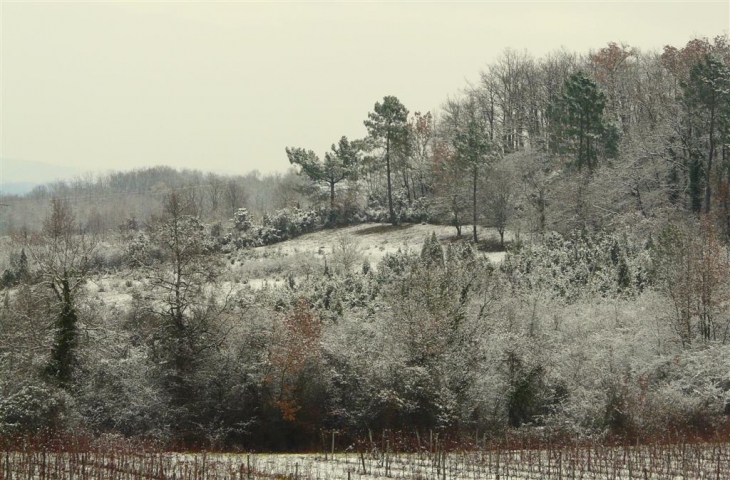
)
(270, 265)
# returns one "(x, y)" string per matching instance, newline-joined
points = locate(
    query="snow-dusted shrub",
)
(530, 396)
(288, 223)
(119, 394)
(28, 405)
(335, 294)
(17, 269)
(420, 210)
(138, 246)
(8, 278)
(216, 230)
(346, 211)
(432, 252)
(688, 390)
(376, 209)
(242, 220)
(108, 257)
(300, 264)
(394, 264)
(346, 253)
(248, 240)
(414, 211)
(582, 264)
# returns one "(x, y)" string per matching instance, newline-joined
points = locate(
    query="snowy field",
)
(271, 265)
(375, 240)
(656, 462)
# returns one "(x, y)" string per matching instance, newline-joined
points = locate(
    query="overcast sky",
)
(227, 86)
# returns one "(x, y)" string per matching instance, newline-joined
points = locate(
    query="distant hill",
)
(21, 176)
(17, 188)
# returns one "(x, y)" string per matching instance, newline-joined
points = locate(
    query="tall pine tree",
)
(577, 117)
(388, 125)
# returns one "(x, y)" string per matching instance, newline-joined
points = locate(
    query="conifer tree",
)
(389, 126)
(62, 254)
(577, 117)
(338, 165)
(707, 98)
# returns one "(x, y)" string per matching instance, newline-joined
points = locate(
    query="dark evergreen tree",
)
(62, 253)
(63, 354)
(707, 99)
(22, 271)
(577, 119)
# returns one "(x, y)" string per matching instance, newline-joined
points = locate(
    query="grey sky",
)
(226, 86)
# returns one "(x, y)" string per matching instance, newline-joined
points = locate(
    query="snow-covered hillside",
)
(370, 242)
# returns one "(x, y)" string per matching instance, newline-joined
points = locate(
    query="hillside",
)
(590, 301)
(272, 266)
(368, 242)
(175, 329)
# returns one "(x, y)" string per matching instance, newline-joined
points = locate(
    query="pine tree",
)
(339, 165)
(389, 126)
(62, 254)
(577, 117)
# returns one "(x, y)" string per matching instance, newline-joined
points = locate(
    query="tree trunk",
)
(456, 219)
(474, 201)
(541, 210)
(708, 180)
(390, 194)
(581, 156)
(407, 185)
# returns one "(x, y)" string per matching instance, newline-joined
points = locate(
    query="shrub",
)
(30, 407)
(608, 265)
(242, 220)
(288, 223)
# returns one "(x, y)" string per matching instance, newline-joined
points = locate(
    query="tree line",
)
(650, 126)
(530, 144)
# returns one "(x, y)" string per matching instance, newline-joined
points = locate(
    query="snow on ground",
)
(112, 290)
(646, 462)
(271, 265)
(376, 239)
(599, 463)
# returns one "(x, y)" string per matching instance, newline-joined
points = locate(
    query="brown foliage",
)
(294, 346)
